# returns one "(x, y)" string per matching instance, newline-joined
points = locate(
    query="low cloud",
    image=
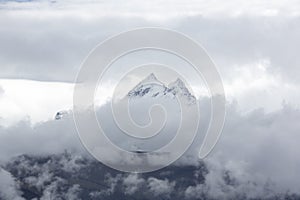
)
(256, 150)
(1, 91)
(160, 187)
(43, 139)
(9, 188)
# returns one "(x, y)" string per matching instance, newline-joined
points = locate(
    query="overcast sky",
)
(254, 44)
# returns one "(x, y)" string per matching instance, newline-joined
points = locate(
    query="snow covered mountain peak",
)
(178, 88)
(151, 77)
(152, 87)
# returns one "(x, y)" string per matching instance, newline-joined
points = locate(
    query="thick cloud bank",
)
(257, 156)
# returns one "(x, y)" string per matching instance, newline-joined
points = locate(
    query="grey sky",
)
(53, 45)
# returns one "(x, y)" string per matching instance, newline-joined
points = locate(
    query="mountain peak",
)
(146, 86)
(178, 88)
(180, 83)
(152, 87)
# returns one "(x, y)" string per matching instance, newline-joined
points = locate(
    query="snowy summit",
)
(152, 87)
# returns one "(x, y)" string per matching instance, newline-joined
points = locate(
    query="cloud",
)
(255, 148)
(33, 100)
(160, 187)
(1, 91)
(157, 8)
(53, 46)
(8, 186)
(261, 147)
(132, 183)
(256, 55)
(258, 149)
(43, 139)
(41, 180)
(236, 42)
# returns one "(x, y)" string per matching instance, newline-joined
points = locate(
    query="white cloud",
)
(1, 91)
(8, 186)
(259, 151)
(253, 87)
(261, 147)
(160, 187)
(45, 138)
(53, 45)
(157, 9)
(38, 101)
(132, 183)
